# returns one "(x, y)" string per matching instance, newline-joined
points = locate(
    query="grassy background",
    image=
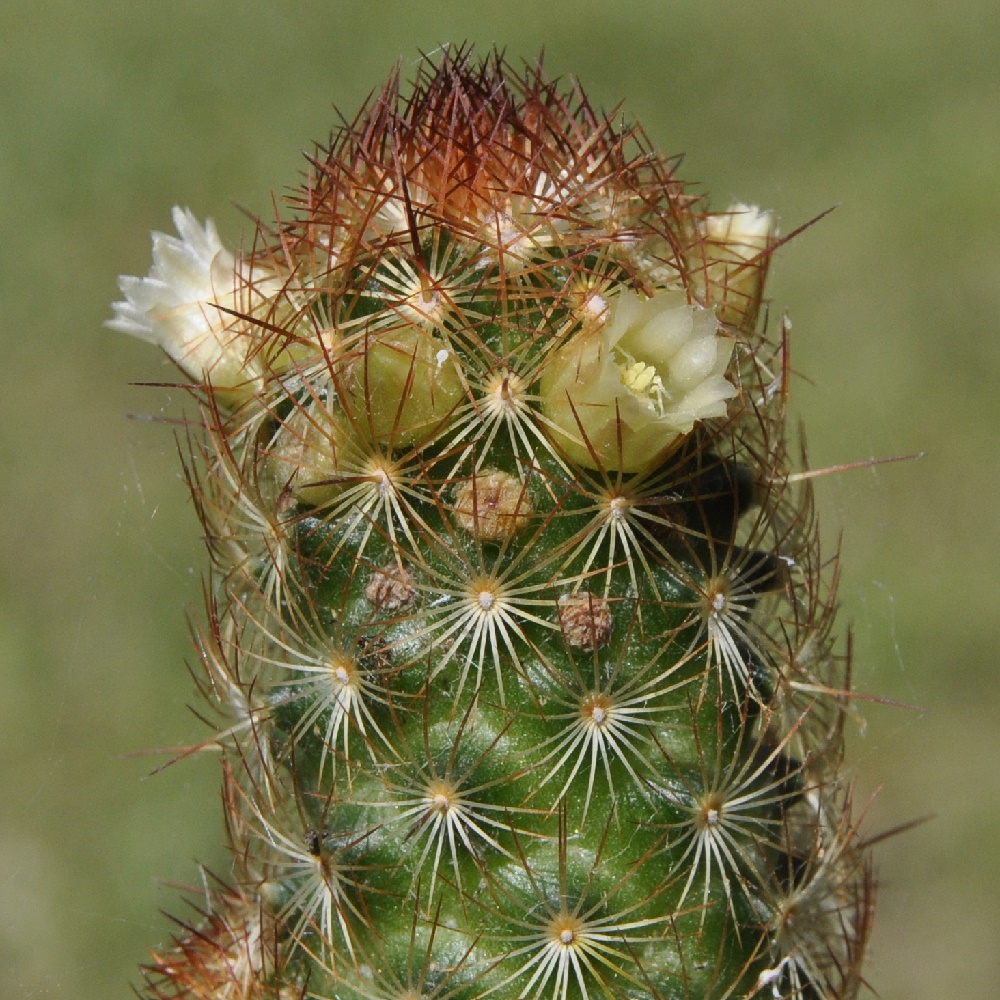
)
(112, 112)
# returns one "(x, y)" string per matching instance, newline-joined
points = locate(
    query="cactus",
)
(518, 629)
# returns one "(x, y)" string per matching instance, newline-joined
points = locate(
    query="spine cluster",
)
(518, 628)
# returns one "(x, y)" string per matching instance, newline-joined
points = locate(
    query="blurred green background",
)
(112, 112)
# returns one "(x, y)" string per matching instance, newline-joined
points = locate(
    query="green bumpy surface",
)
(530, 805)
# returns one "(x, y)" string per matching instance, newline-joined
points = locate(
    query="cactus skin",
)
(518, 624)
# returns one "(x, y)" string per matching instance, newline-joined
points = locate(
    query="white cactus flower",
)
(643, 374)
(188, 302)
(744, 229)
(739, 241)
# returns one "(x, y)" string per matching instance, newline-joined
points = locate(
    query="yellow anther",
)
(643, 380)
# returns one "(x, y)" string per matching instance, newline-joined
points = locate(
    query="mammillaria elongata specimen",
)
(518, 622)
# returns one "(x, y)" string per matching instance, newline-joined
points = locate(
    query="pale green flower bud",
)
(640, 376)
(400, 385)
(310, 452)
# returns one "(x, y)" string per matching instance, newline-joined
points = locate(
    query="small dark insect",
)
(314, 843)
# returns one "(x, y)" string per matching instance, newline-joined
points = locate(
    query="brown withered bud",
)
(390, 588)
(231, 952)
(492, 506)
(585, 620)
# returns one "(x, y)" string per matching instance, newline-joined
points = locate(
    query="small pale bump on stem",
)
(390, 588)
(585, 620)
(492, 506)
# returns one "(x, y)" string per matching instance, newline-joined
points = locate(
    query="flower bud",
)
(309, 452)
(637, 378)
(400, 385)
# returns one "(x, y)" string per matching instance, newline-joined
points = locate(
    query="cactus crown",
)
(518, 623)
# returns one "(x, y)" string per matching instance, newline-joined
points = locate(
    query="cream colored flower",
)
(644, 372)
(734, 279)
(186, 305)
(745, 229)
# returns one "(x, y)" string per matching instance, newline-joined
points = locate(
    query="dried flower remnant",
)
(492, 506)
(586, 620)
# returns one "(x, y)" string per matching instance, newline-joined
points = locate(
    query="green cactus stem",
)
(518, 622)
